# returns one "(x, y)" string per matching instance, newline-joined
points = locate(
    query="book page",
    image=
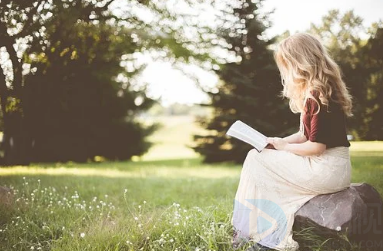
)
(247, 134)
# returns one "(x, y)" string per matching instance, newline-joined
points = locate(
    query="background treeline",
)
(68, 86)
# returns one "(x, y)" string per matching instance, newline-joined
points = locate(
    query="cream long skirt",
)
(274, 184)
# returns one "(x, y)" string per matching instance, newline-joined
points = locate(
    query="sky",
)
(293, 15)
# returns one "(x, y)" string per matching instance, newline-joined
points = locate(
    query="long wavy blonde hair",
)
(307, 68)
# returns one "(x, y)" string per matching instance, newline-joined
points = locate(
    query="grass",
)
(149, 205)
(174, 204)
(159, 206)
(172, 140)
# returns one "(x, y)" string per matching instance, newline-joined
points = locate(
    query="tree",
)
(360, 61)
(249, 88)
(75, 108)
(21, 24)
(49, 40)
(341, 34)
(374, 109)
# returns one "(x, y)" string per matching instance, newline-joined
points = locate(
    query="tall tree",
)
(360, 62)
(22, 23)
(374, 109)
(341, 34)
(249, 88)
(75, 107)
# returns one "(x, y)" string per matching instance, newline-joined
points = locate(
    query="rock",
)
(6, 196)
(356, 212)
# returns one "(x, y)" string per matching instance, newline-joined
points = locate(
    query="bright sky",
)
(293, 15)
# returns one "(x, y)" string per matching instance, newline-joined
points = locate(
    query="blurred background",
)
(114, 80)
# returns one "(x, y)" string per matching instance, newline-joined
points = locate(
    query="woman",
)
(275, 183)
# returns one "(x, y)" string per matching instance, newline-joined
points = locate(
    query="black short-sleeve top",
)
(327, 127)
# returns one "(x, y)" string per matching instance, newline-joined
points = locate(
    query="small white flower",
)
(82, 235)
(338, 228)
(135, 218)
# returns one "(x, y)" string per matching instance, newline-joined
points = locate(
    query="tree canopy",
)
(68, 90)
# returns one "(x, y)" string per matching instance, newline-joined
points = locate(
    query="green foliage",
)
(74, 106)
(374, 104)
(249, 88)
(79, 94)
(361, 62)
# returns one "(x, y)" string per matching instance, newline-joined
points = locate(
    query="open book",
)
(247, 134)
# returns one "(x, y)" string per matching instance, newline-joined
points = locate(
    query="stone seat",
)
(356, 212)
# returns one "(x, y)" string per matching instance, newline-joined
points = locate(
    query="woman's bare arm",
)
(306, 148)
(295, 138)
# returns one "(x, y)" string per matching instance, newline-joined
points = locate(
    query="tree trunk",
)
(14, 144)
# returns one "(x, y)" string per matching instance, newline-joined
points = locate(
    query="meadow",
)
(177, 203)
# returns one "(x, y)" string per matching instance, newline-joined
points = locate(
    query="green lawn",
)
(171, 141)
(174, 204)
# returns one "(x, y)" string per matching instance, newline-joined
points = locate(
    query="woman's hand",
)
(278, 143)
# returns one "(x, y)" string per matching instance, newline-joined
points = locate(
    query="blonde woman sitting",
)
(275, 183)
